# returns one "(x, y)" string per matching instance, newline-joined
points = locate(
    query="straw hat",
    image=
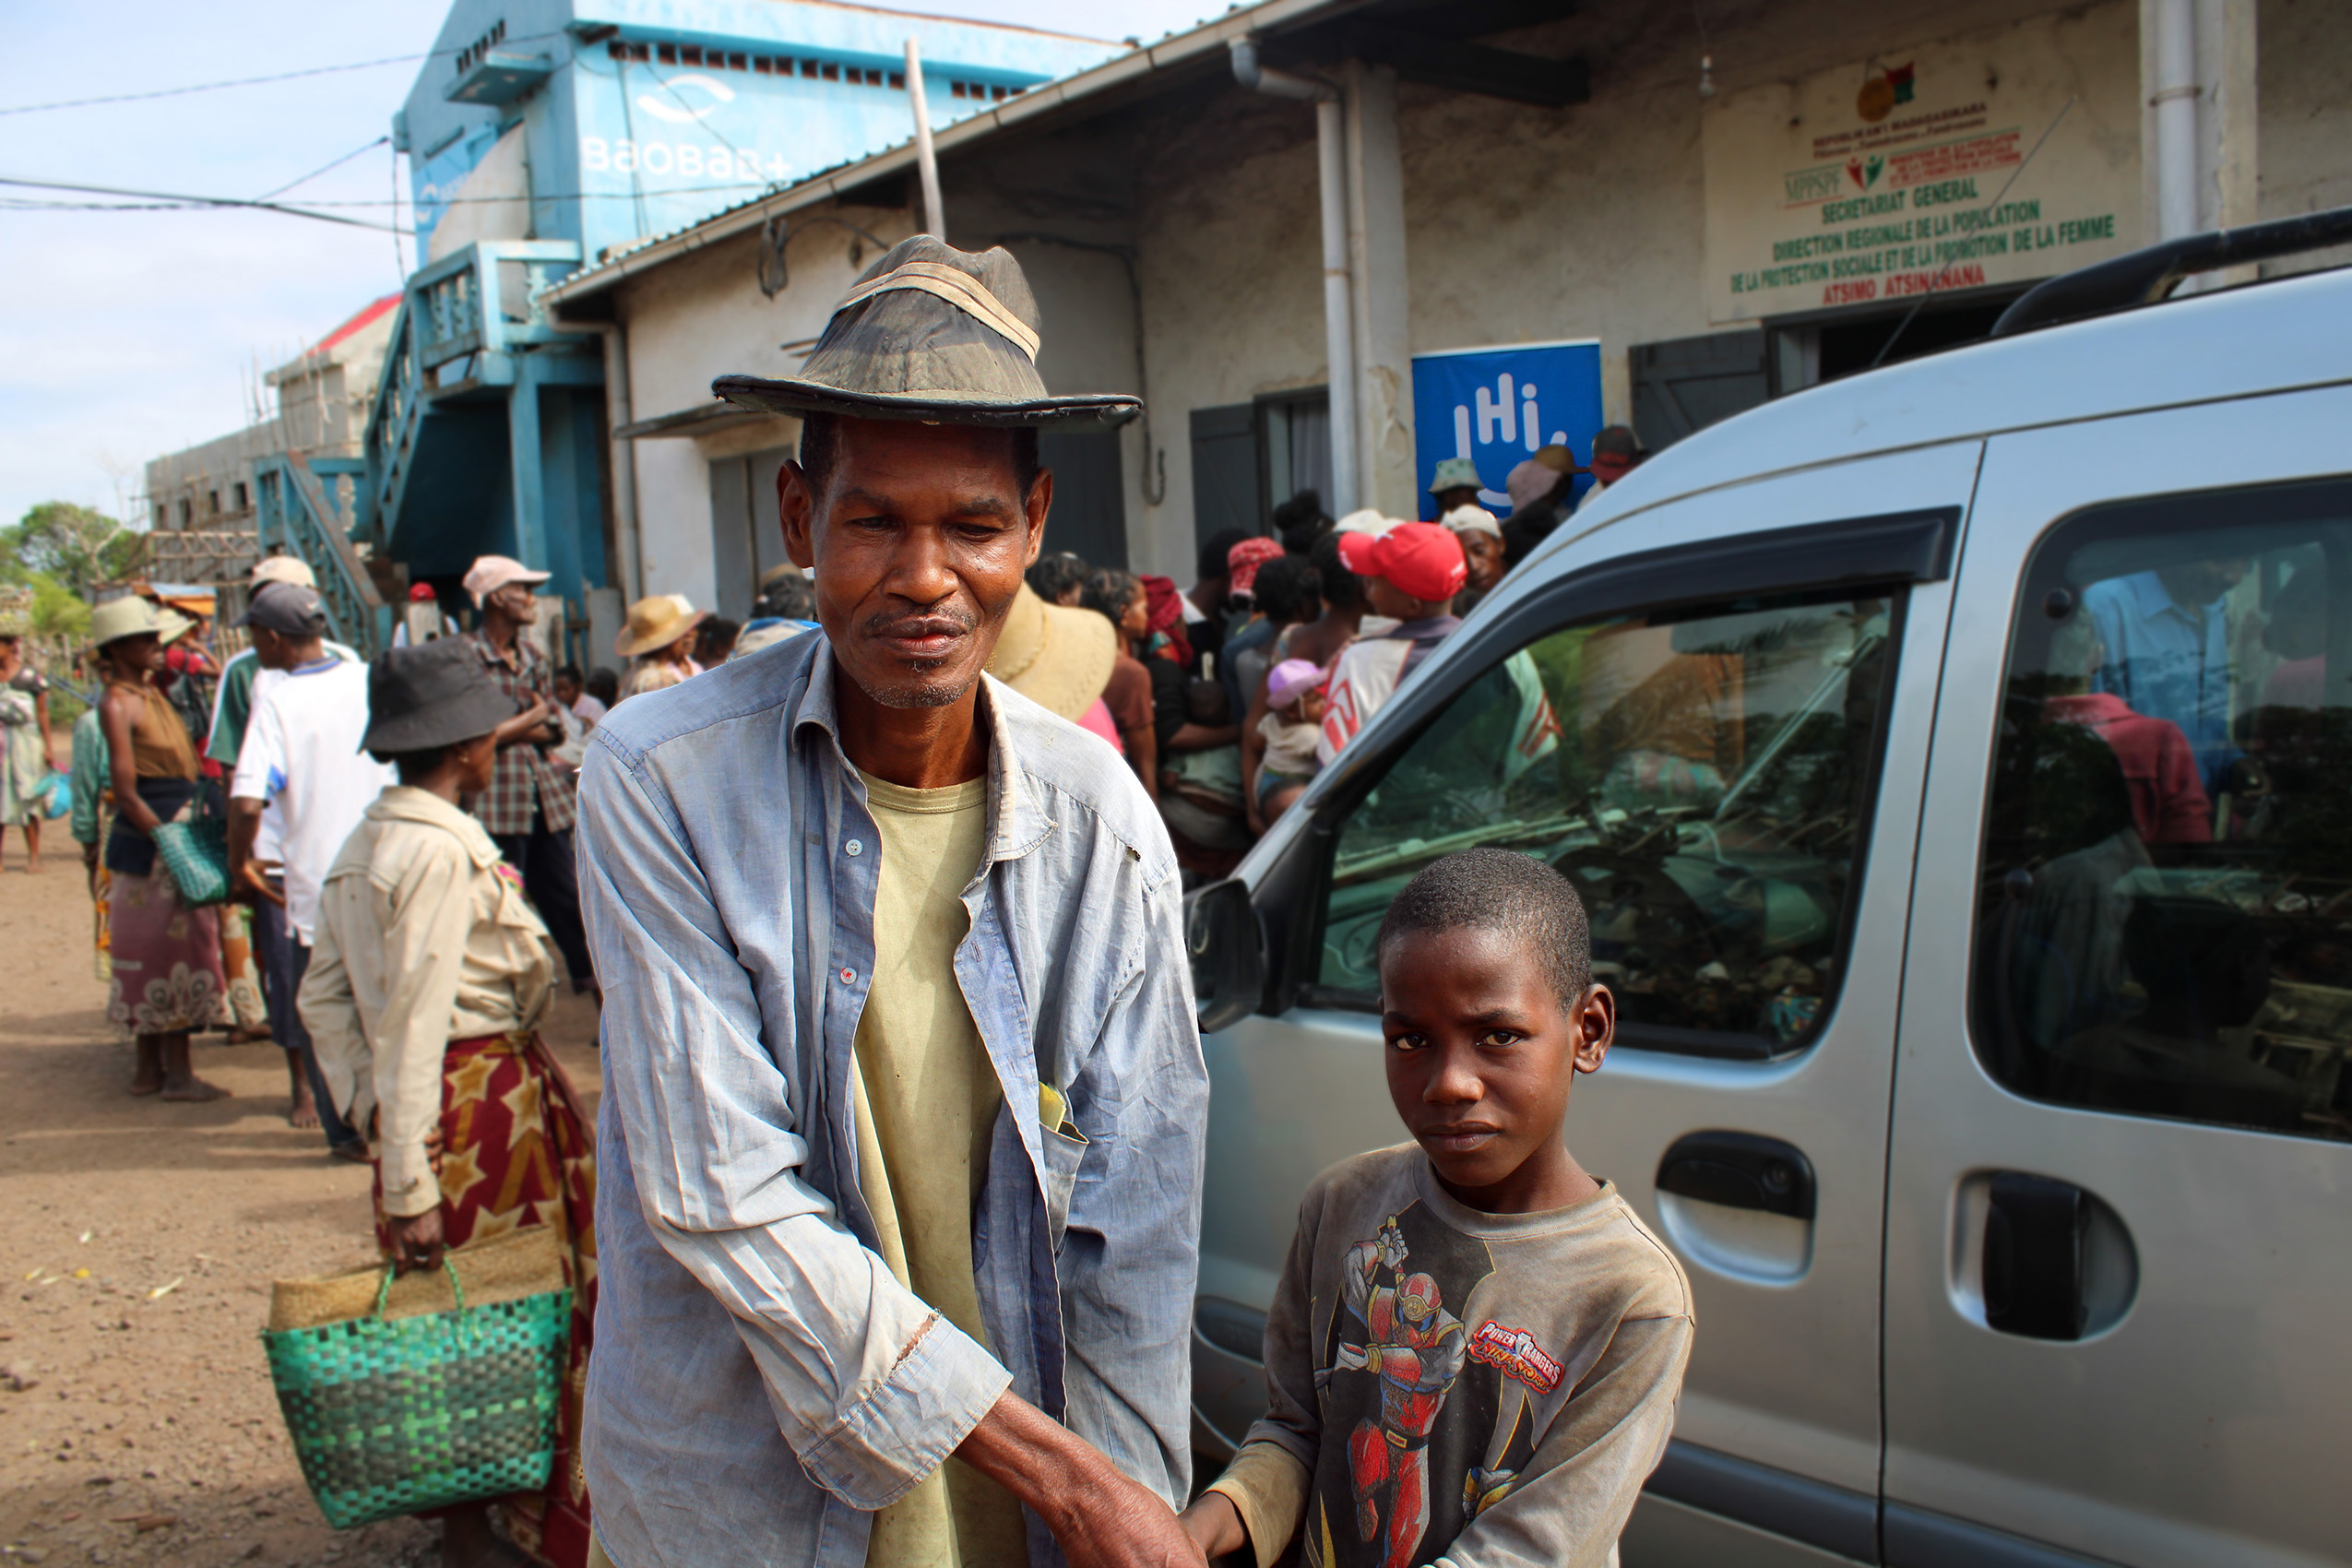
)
(656, 622)
(1058, 657)
(935, 334)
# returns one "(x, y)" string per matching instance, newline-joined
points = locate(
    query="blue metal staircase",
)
(305, 508)
(484, 434)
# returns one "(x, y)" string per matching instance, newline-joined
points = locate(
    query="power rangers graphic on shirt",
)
(1427, 1420)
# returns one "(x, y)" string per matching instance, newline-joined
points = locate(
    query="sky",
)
(127, 335)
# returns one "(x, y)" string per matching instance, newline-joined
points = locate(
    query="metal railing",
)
(300, 515)
(459, 319)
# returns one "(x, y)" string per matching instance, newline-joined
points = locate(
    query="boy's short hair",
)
(1497, 890)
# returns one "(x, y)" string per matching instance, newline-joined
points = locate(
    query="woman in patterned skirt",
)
(423, 997)
(167, 976)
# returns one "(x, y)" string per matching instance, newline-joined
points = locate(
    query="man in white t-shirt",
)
(300, 753)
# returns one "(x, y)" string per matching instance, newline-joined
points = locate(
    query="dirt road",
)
(138, 1241)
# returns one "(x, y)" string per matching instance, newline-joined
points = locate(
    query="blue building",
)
(546, 135)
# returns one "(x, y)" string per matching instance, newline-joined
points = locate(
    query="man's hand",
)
(253, 884)
(1100, 1518)
(1214, 1525)
(416, 1240)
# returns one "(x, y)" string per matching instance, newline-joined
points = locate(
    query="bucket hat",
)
(934, 334)
(657, 622)
(435, 695)
(1454, 473)
(1058, 657)
(119, 618)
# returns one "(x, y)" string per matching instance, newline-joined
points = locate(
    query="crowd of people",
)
(1228, 697)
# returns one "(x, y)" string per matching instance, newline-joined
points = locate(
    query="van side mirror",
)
(1228, 950)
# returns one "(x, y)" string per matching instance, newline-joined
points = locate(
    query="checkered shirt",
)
(523, 778)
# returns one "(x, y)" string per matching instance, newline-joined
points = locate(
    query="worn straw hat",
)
(120, 618)
(1057, 656)
(657, 622)
(435, 695)
(935, 334)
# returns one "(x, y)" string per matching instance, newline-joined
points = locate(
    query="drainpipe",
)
(625, 544)
(1339, 324)
(2176, 109)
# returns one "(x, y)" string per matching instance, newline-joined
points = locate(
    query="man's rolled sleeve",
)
(870, 1387)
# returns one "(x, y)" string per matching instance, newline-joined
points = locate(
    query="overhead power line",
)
(251, 81)
(177, 199)
(209, 86)
(323, 168)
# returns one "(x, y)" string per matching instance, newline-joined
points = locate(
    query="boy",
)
(1411, 574)
(1476, 1347)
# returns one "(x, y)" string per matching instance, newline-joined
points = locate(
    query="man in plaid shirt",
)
(529, 809)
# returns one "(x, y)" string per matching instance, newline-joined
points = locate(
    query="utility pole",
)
(934, 214)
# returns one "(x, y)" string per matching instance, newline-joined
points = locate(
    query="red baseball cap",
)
(1421, 559)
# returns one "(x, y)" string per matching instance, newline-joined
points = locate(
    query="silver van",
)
(1956, 765)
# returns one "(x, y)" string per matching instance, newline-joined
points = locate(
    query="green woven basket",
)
(197, 854)
(401, 1416)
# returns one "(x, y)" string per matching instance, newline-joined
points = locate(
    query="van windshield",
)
(1700, 777)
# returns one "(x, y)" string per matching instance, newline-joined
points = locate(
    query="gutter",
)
(626, 544)
(1338, 310)
(1191, 49)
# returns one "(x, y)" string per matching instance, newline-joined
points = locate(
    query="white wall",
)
(492, 202)
(1523, 224)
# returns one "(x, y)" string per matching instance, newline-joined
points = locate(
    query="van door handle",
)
(2035, 1229)
(1740, 1170)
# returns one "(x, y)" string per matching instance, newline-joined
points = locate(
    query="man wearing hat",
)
(529, 809)
(901, 1135)
(432, 976)
(1455, 483)
(300, 755)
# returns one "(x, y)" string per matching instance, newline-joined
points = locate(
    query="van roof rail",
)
(2147, 276)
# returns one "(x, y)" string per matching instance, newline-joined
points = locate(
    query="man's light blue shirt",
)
(761, 1381)
(2167, 661)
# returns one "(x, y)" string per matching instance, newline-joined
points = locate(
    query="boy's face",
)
(568, 691)
(1480, 1056)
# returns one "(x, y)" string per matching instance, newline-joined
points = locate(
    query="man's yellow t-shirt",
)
(926, 1100)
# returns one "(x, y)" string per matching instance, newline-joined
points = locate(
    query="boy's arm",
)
(1580, 1487)
(1266, 1483)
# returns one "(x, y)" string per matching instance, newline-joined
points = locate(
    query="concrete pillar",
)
(1376, 257)
(2200, 107)
(523, 459)
(2226, 167)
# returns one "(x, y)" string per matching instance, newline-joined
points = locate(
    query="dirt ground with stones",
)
(138, 1243)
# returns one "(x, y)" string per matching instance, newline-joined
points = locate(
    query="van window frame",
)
(1881, 551)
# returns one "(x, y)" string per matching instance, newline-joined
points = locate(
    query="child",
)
(1292, 725)
(1411, 574)
(1475, 1348)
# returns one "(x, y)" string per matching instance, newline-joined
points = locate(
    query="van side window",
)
(2165, 915)
(1702, 777)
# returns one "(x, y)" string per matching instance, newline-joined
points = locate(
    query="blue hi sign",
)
(1496, 406)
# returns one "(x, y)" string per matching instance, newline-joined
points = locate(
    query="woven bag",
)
(405, 1403)
(197, 854)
